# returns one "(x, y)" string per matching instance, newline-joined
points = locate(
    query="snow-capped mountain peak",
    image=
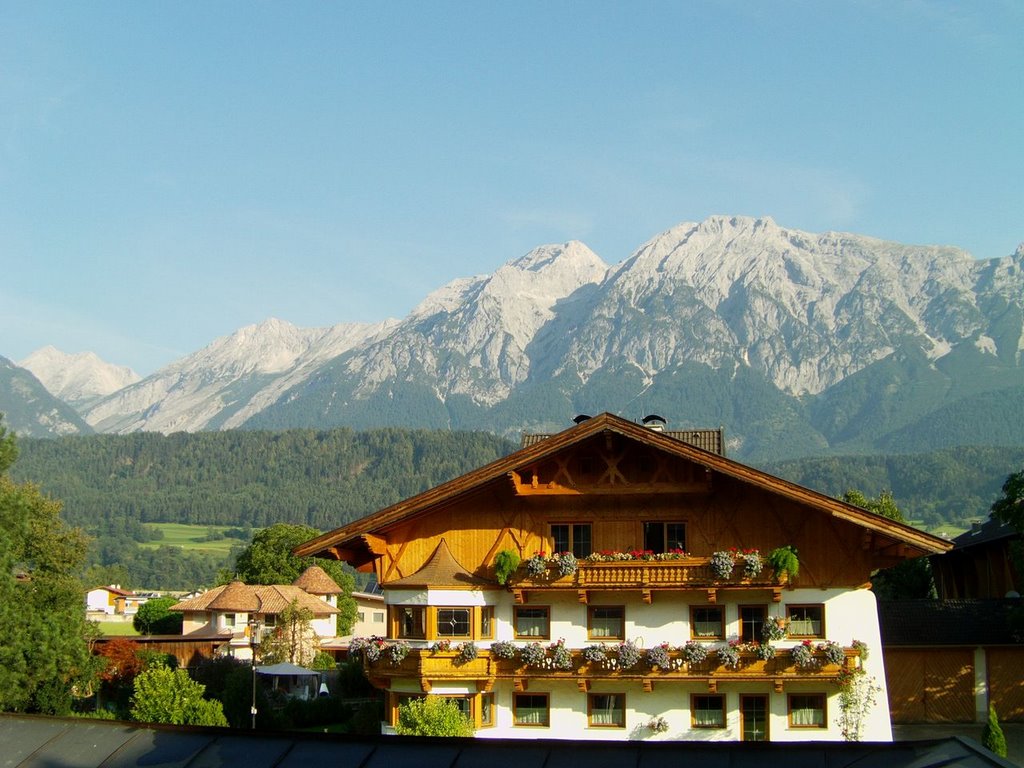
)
(77, 379)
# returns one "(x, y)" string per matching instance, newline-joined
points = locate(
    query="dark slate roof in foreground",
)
(39, 742)
(946, 622)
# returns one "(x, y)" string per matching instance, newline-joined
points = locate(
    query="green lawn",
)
(191, 537)
(117, 629)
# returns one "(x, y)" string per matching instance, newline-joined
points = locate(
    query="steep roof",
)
(918, 542)
(316, 581)
(257, 598)
(441, 570)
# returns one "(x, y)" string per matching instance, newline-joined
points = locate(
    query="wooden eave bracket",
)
(582, 596)
(776, 594)
(779, 684)
(648, 685)
(380, 683)
(486, 685)
(519, 596)
(425, 685)
(712, 595)
(646, 595)
(712, 686)
(583, 684)
(376, 544)
(519, 684)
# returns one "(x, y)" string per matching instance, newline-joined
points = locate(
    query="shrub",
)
(992, 737)
(432, 716)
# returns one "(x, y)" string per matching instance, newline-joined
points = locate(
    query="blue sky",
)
(170, 172)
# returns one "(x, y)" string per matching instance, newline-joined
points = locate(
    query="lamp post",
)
(255, 627)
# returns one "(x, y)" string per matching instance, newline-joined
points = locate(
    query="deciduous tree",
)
(155, 617)
(44, 637)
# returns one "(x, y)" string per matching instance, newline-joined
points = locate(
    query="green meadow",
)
(194, 537)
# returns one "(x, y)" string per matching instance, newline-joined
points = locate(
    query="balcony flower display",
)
(694, 652)
(833, 652)
(628, 654)
(441, 646)
(658, 658)
(861, 648)
(503, 649)
(773, 629)
(533, 655)
(722, 563)
(762, 651)
(729, 654)
(752, 563)
(537, 566)
(595, 654)
(561, 657)
(467, 652)
(397, 651)
(803, 654)
(369, 648)
(565, 563)
(615, 556)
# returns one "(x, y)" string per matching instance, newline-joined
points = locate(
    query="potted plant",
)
(832, 651)
(503, 649)
(628, 655)
(803, 654)
(566, 563)
(774, 628)
(467, 652)
(694, 652)
(658, 656)
(722, 563)
(440, 646)
(729, 655)
(784, 561)
(505, 564)
(763, 651)
(595, 654)
(397, 652)
(537, 566)
(657, 724)
(533, 655)
(561, 657)
(752, 563)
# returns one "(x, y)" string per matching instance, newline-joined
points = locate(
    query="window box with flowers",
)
(467, 652)
(533, 655)
(832, 652)
(722, 563)
(729, 655)
(628, 655)
(503, 649)
(565, 563)
(561, 657)
(694, 653)
(658, 657)
(537, 566)
(803, 655)
(596, 654)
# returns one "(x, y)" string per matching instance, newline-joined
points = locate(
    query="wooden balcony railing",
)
(690, 573)
(431, 667)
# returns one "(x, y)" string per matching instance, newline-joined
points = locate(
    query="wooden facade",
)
(615, 493)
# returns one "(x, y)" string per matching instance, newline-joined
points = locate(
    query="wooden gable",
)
(614, 475)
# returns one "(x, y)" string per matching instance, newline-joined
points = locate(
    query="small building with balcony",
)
(614, 581)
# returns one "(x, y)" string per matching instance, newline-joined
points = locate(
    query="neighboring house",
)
(646, 515)
(948, 659)
(109, 600)
(226, 612)
(370, 615)
(981, 564)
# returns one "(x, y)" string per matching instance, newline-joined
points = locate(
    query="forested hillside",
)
(112, 485)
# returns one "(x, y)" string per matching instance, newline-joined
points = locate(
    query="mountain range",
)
(797, 343)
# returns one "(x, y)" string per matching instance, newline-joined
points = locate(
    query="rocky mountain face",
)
(797, 343)
(80, 379)
(29, 410)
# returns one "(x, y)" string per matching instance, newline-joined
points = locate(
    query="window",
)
(409, 622)
(486, 710)
(454, 622)
(361, 616)
(487, 622)
(530, 709)
(807, 710)
(571, 537)
(378, 617)
(707, 711)
(606, 622)
(752, 619)
(707, 622)
(664, 537)
(606, 710)
(806, 621)
(531, 622)
(229, 620)
(269, 621)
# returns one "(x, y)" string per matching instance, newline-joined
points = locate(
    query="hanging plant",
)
(505, 564)
(773, 629)
(561, 657)
(722, 563)
(595, 654)
(537, 566)
(694, 652)
(566, 563)
(752, 563)
(729, 655)
(628, 654)
(784, 561)
(467, 652)
(658, 656)
(533, 655)
(833, 652)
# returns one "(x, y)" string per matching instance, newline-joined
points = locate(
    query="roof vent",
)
(655, 422)
(580, 418)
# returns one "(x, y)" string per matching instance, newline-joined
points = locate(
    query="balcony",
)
(645, 576)
(431, 667)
